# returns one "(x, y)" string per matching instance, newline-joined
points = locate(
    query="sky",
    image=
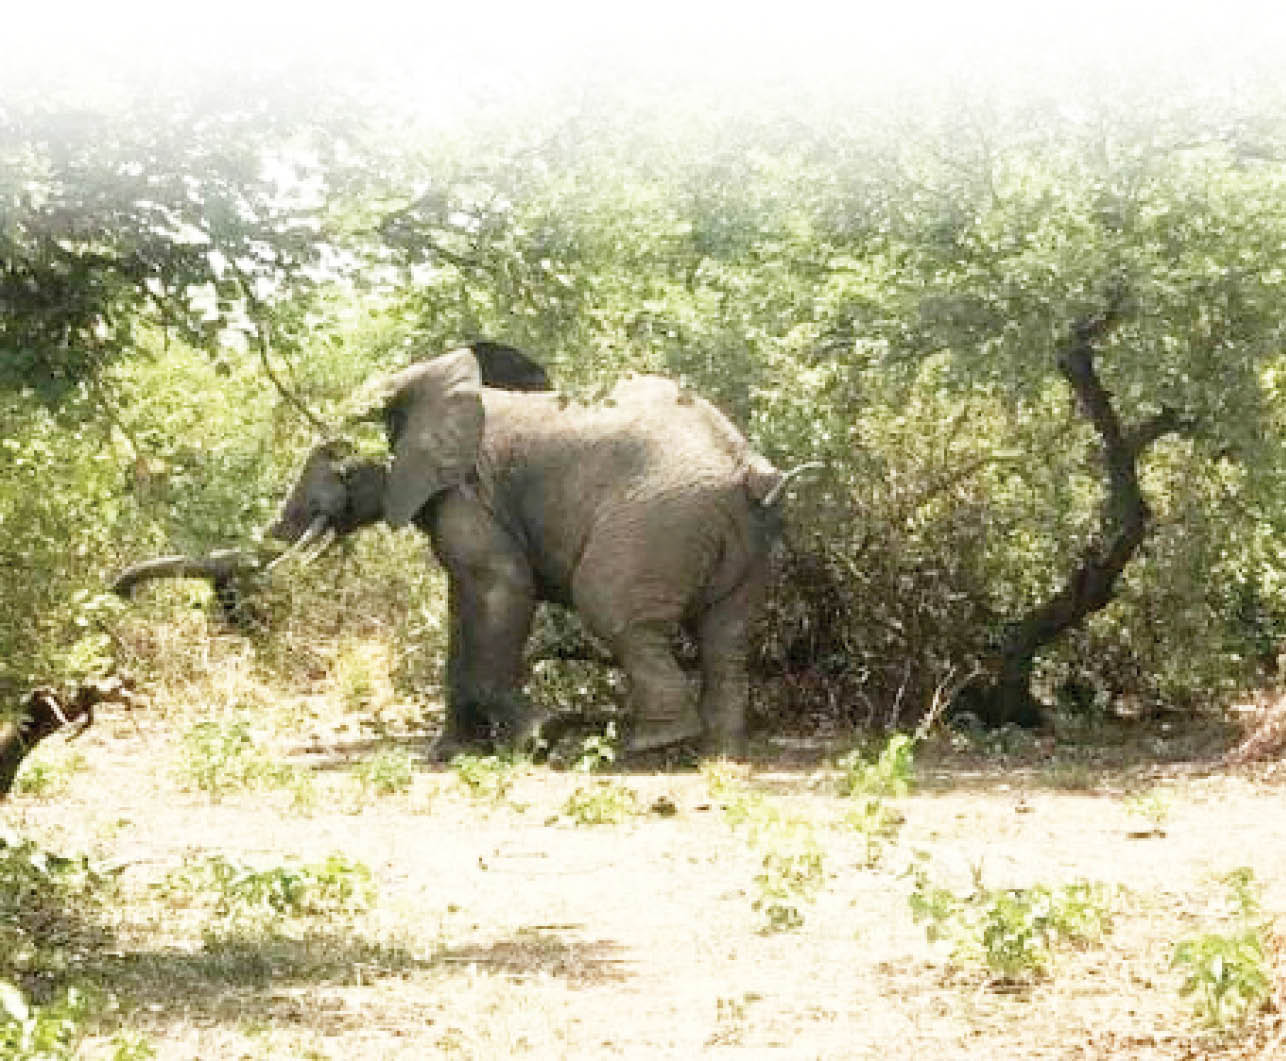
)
(441, 55)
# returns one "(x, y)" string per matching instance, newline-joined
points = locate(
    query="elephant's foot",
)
(520, 736)
(724, 745)
(649, 735)
(449, 745)
(523, 736)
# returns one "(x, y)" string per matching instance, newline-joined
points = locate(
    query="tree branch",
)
(262, 329)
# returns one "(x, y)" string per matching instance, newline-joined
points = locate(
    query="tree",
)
(188, 208)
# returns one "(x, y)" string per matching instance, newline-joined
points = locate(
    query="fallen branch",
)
(231, 572)
(46, 710)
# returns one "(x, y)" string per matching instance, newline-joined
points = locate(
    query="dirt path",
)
(503, 929)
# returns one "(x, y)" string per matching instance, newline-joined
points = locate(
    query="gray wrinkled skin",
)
(644, 513)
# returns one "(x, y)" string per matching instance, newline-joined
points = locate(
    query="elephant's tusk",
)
(328, 538)
(315, 530)
(774, 495)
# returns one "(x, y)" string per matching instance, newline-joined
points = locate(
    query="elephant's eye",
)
(394, 424)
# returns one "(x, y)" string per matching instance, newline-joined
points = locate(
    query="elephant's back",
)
(560, 473)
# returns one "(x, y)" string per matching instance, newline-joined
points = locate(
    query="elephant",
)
(646, 512)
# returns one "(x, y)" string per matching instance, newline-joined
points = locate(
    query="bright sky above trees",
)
(451, 54)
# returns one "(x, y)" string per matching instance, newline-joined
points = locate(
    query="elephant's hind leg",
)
(725, 685)
(660, 699)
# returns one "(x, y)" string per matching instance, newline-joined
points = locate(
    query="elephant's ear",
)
(437, 407)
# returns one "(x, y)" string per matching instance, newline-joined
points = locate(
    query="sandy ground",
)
(504, 929)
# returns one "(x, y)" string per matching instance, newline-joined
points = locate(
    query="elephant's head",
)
(336, 493)
(432, 413)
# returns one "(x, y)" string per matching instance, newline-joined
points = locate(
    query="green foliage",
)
(885, 296)
(40, 1033)
(46, 776)
(602, 802)
(597, 751)
(889, 776)
(48, 905)
(793, 873)
(247, 900)
(1012, 933)
(793, 862)
(222, 757)
(1229, 975)
(868, 785)
(487, 778)
(115, 212)
(388, 772)
(1153, 805)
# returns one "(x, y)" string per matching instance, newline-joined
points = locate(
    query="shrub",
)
(1012, 933)
(221, 757)
(1229, 974)
(602, 803)
(244, 899)
(793, 861)
(48, 904)
(387, 772)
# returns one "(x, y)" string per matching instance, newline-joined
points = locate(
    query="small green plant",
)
(877, 823)
(1012, 933)
(40, 1033)
(221, 757)
(1229, 975)
(131, 1046)
(243, 898)
(725, 780)
(741, 804)
(487, 777)
(597, 751)
(889, 776)
(1153, 806)
(36, 889)
(388, 772)
(793, 874)
(47, 777)
(602, 803)
(869, 784)
(793, 863)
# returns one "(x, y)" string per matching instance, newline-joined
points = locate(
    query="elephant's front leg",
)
(490, 609)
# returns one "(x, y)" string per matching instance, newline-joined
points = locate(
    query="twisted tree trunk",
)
(1091, 584)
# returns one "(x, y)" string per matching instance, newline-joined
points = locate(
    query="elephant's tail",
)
(783, 480)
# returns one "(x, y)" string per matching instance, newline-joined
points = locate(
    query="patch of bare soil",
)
(504, 929)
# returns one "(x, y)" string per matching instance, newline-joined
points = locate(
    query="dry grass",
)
(502, 929)
(1263, 724)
